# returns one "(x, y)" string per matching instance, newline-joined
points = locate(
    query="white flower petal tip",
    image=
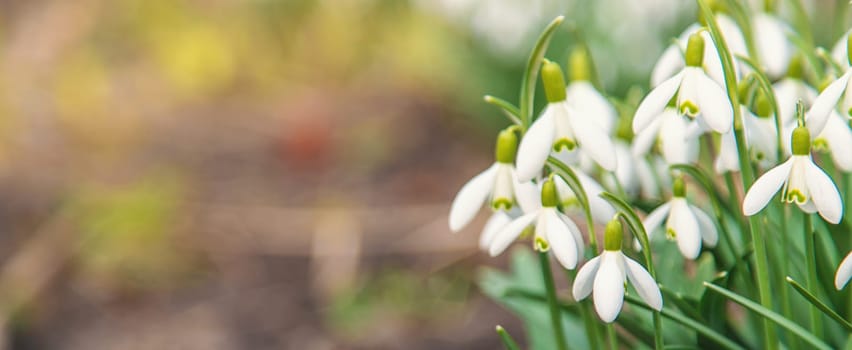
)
(608, 291)
(765, 188)
(819, 112)
(824, 194)
(844, 272)
(535, 146)
(655, 102)
(715, 107)
(561, 239)
(470, 198)
(504, 238)
(645, 285)
(584, 281)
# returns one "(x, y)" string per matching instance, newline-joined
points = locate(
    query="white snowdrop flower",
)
(697, 96)
(669, 130)
(498, 220)
(499, 183)
(804, 183)
(844, 272)
(601, 210)
(840, 51)
(560, 127)
(760, 139)
(552, 230)
(584, 97)
(672, 59)
(835, 139)
(684, 223)
(774, 50)
(828, 100)
(605, 275)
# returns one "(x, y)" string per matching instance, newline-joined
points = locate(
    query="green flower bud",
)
(801, 141)
(796, 70)
(695, 50)
(762, 107)
(507, 146)
(613, 235)
(580, 65)
(549, 195)
(553, 80)
(679, 187)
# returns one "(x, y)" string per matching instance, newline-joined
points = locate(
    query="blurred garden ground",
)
(223, 174)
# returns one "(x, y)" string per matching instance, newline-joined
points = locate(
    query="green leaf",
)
(531, 73)
(508, 342)
(770, 315)
(819, 304)
(567, 174)
(697, 326)
(511, 112)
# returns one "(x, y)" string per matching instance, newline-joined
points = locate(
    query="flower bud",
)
(762, 107)
(695, 50)
(507, 146)
(549, 194)
(679, 187)
(801, 142)
(553, 80)
(796, 69)
(613, 235)
(580, 65)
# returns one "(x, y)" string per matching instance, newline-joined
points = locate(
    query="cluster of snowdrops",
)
(734, 95)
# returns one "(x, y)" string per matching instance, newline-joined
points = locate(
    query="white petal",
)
(495, 223)
(509, 233)
(708, 230)
(644, 284)
(602, 211)
(765, 187)
(470, 198)
(838, 53)
(653, 221)
(655, 102)
(526, 194)
(839, 138)
(728, 158)
(586, 100)
(773, 47)
(644, 140)
(670, 62)
(648, 179)
(685, 226)
(561, 240)
(677, 147)
(626, 171)
(824, 194)
(844, 272)
(536, 146)
(585, 279)
(714, 105)
(593, 141)
(575, 233)
(817, 116)
(608, 291)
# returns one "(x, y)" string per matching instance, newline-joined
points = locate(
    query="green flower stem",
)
(592, 325)
(786, 303)
(747, 177)
(507, 340)
(613, 338)
(813, 281)
(555, 314)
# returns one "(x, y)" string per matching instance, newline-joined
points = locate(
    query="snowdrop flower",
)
(774, 50)
(498, 220)
(604, 276)
(804, 183)
(684, 223)
(669, 130)
(672, 61)
(601, 210)
(828, 99)
(840, 52)
(697, 96)
(561, 127)
(552, 230)
(584, 97)
(760, 139)
(499, 183)
(844, 272)
(791, 89)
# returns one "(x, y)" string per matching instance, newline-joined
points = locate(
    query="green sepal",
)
(507, 146)
(695, 50)
(801, 141)
(549, 194)
(553, 80)
(613, 235)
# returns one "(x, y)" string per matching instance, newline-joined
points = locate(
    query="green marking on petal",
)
(540, 244)
(671, 234)
(689, 108)
(795, 196)
(501, 203)
(564, 143)
(820, 145)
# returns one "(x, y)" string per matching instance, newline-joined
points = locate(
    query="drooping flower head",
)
(804, 183)
(499, 185)
(605, 275)
(684, 223)
(553, 230)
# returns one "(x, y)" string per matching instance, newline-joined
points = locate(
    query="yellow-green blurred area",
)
(265, 174)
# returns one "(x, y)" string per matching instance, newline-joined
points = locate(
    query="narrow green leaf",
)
(531, 73)
(508, 342)
(697, 326)
(511, 112)
(819, 304)
(567, 174)
(770, 315)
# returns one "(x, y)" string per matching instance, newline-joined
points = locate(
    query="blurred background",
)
(267, 174)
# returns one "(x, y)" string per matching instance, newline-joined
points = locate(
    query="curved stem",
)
(552, 302)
